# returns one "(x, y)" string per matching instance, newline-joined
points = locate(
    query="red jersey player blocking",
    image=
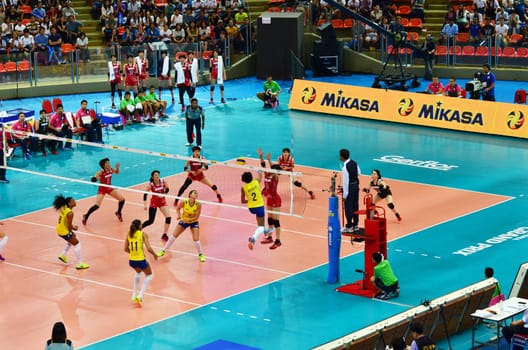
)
(287, 164)
(273, 201)
(105, 177)
(158, 186)
(195, 172)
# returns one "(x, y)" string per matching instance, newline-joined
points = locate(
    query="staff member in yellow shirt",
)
(134, 243)
(252, 195)
(65, 228)
(188, 218)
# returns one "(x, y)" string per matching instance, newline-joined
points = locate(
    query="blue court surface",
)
(303, 311)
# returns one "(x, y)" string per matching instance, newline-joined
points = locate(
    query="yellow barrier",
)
(496, 118)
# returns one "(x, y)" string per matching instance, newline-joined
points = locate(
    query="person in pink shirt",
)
(94, 131)
(23, 126)
(60, 127)
(435, 87)
(453, 89)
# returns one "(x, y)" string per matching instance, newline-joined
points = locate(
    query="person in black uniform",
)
(41, 127)
(383, 191)
(421, 341)
(350, 191)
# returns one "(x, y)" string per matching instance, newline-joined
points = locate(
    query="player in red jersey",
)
(273, 202)
(216, 66)
(195, 170)
(114, 78)
(159, 186)
(142, 65)
(287, 164)
(131, 76)
(104, 176)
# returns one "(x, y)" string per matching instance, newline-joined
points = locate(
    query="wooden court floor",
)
(95, 303)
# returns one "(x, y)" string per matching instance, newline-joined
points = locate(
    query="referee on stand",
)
(350, 177)
(194, 119)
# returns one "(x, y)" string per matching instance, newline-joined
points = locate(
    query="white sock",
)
(3, 243)
(258, 232)
(136, 283)
(146, 281)
(198, 246)
(169, 243)
(77, 251)
(65, 251)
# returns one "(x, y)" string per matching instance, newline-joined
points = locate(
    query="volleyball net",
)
(70, 173)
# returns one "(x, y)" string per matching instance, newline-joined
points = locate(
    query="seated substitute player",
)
(383, 191)
(287, 163)
(195, 172)
(146, 106)
(271, 92)
(105, 177)
(128, 109)
(188, 215)
(157, 103)
(273, 201)
(383, 278)
(159, 186)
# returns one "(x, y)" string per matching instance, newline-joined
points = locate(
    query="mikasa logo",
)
(428, 164)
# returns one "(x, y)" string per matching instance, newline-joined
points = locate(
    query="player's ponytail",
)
(134, 226)
(60, 201)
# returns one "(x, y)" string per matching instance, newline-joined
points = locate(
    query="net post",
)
(334, 234)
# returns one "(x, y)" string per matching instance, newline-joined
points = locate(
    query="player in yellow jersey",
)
(252, 195)
(135, 242)
(65, 228)
(188, 213)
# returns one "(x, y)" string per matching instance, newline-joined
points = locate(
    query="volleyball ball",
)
(240, 161)
(405, 107)
(515, 120)
(308, 95)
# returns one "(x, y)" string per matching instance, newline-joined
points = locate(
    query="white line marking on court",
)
(171, 250)
(108, 285)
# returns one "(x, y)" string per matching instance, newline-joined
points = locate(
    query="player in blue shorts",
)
(188, 213)
(135, 243)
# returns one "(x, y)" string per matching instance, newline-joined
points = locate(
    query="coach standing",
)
(194, 119)
(350, 177)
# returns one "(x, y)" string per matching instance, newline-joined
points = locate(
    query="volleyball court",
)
(95, 303)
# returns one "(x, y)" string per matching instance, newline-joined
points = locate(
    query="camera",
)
(475, 85)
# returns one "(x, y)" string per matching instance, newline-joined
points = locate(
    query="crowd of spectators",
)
(182, 26)
(383, 13)
(488, 22)
(41, 26)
